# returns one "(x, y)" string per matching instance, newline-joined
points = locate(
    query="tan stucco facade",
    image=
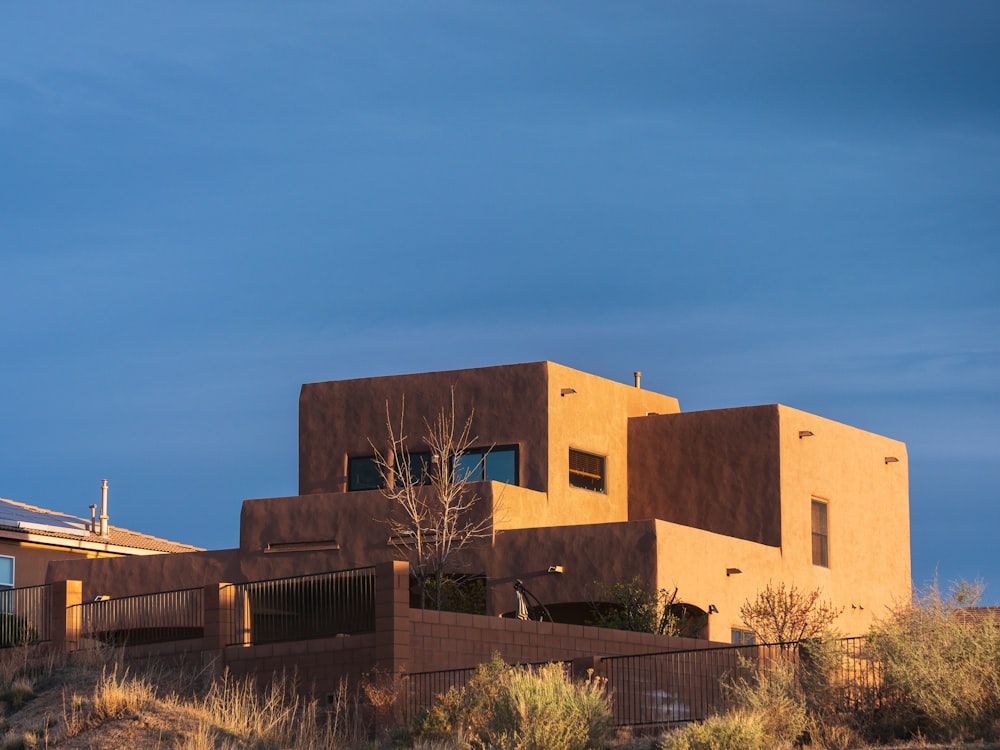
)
(687, 496)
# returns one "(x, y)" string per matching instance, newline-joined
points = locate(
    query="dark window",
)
(363, 474)
(586, 471)
(820, 538)
(420, 468)
(487, 464)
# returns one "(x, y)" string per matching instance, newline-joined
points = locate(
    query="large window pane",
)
(469, 467)
(501, 465)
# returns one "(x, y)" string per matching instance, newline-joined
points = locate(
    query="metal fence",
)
(673, 687)
(25, 615)
(421, 688)
(137, 620)
(682, 686)
(312, 606)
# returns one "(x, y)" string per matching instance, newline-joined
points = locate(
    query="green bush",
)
(520, 708)
(941, 667)
(736, 730)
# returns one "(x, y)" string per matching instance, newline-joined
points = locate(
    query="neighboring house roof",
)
(977, 615)
(22, 522)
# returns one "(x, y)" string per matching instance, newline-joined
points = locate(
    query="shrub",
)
(632, 606)
(785, 615)
(737, 730)
(941, 666)
(520, 708)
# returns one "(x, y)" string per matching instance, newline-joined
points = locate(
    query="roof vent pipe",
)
(93, 518)
(638, 375)
(104, 508)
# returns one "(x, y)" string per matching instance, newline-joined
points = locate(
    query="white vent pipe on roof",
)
(104, 508)
(638, 376)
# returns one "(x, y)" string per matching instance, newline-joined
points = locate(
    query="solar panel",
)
(25, 519)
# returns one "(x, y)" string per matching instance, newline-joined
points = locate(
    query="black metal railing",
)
(25, 614)
(674, 686)
(421, 688)
(303, 607)
(137, 620)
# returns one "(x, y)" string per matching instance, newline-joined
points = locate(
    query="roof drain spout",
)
(104, 508)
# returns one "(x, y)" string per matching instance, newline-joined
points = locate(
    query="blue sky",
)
(204, 205)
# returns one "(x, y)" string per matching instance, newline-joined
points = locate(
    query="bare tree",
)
(783, 615)
(434, 514)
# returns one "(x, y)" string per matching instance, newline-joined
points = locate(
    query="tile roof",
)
(24, 518)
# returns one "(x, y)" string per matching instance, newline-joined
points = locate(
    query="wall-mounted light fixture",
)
(567, 391)
(891, 460)
(557, 569)
(805, 433)
(732, 572)
(712, 609)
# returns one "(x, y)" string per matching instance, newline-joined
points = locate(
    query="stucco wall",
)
(868, 511)
(715, 470)
(31, 561)
(125, 576)
(337, 419)
(594, 419)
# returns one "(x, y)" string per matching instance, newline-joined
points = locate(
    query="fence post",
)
(218, 605)
(66, 595)
(392, 616)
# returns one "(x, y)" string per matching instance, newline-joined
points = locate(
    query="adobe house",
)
(32, 537)
(586, 480)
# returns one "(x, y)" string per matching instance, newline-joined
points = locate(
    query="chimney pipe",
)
(104, 508)
(638, 376)
(93, 518)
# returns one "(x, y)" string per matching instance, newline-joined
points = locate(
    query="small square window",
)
(820, 536)
(586, 471)
(741, 637)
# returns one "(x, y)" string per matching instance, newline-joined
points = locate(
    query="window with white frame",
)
(6, 572)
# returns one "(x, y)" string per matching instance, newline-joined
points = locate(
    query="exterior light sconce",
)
(732, 572)
(567, 391)
(891, 460)
(712, 609)
(557, 569)
(805, 433)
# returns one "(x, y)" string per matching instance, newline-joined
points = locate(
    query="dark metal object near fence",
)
(303, 607)
(25, 614)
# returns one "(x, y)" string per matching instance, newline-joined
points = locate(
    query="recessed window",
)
(487, 465)
(820, 537)
(586, 471)
(363, 474)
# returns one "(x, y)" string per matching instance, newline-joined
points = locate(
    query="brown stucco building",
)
(600, 480)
